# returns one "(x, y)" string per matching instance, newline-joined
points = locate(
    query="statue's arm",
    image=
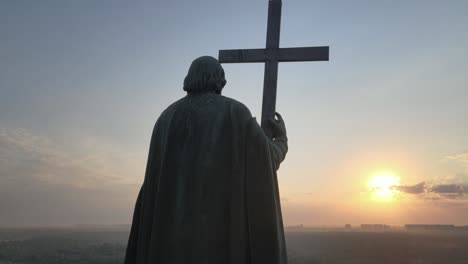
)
(278, 150)
(279, 142)
(278, 145)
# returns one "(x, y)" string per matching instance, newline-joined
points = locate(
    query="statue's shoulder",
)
(235, 106)
(169, 111)
(172, 107)
(238, 107)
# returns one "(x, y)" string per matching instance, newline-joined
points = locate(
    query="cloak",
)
(210, 193)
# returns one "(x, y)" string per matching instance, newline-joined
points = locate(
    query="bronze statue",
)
(210, 193)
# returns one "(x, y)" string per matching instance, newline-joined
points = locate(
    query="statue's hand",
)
(277, 126)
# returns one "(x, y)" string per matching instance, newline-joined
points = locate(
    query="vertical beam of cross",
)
(270, 80)
(271, 56)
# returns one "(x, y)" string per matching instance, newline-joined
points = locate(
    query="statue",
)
(210, 193)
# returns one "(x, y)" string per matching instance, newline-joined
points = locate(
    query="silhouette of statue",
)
(210, 193)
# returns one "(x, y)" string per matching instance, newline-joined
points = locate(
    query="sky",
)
(376, 135)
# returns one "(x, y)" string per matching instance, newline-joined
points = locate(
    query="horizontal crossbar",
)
(281, 55)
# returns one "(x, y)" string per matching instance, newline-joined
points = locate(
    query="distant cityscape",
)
(376, 227)
(350, 244)
(412, 227)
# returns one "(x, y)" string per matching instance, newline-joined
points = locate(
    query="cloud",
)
(412, 189)
(43, 182)
(444, 188)
(84, 163)
(451, 191)
(460, 160)
(435, 192)
(449, 188)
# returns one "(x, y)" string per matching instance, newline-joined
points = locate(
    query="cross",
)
(271, 55)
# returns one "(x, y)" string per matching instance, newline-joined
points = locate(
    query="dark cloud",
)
(435, 192)
(412, 189)
(449, 189)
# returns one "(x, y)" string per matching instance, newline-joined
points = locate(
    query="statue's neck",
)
(203, 93)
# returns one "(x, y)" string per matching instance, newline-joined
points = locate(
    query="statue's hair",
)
(205, 75)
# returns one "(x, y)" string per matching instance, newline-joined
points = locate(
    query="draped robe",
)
(210, 193)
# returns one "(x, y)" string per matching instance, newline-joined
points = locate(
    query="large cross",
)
(271, 55)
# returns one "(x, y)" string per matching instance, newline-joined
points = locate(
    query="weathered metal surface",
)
(281, 55)
(303, 54)
(269, 93)
(271, 65)
(242, 56)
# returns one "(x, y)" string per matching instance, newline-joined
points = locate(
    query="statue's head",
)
(205, 75)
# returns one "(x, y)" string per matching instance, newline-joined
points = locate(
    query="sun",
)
(383, 186)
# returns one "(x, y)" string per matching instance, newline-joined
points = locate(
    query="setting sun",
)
(382, 186)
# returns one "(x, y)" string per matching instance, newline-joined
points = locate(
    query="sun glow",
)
(383, 187)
